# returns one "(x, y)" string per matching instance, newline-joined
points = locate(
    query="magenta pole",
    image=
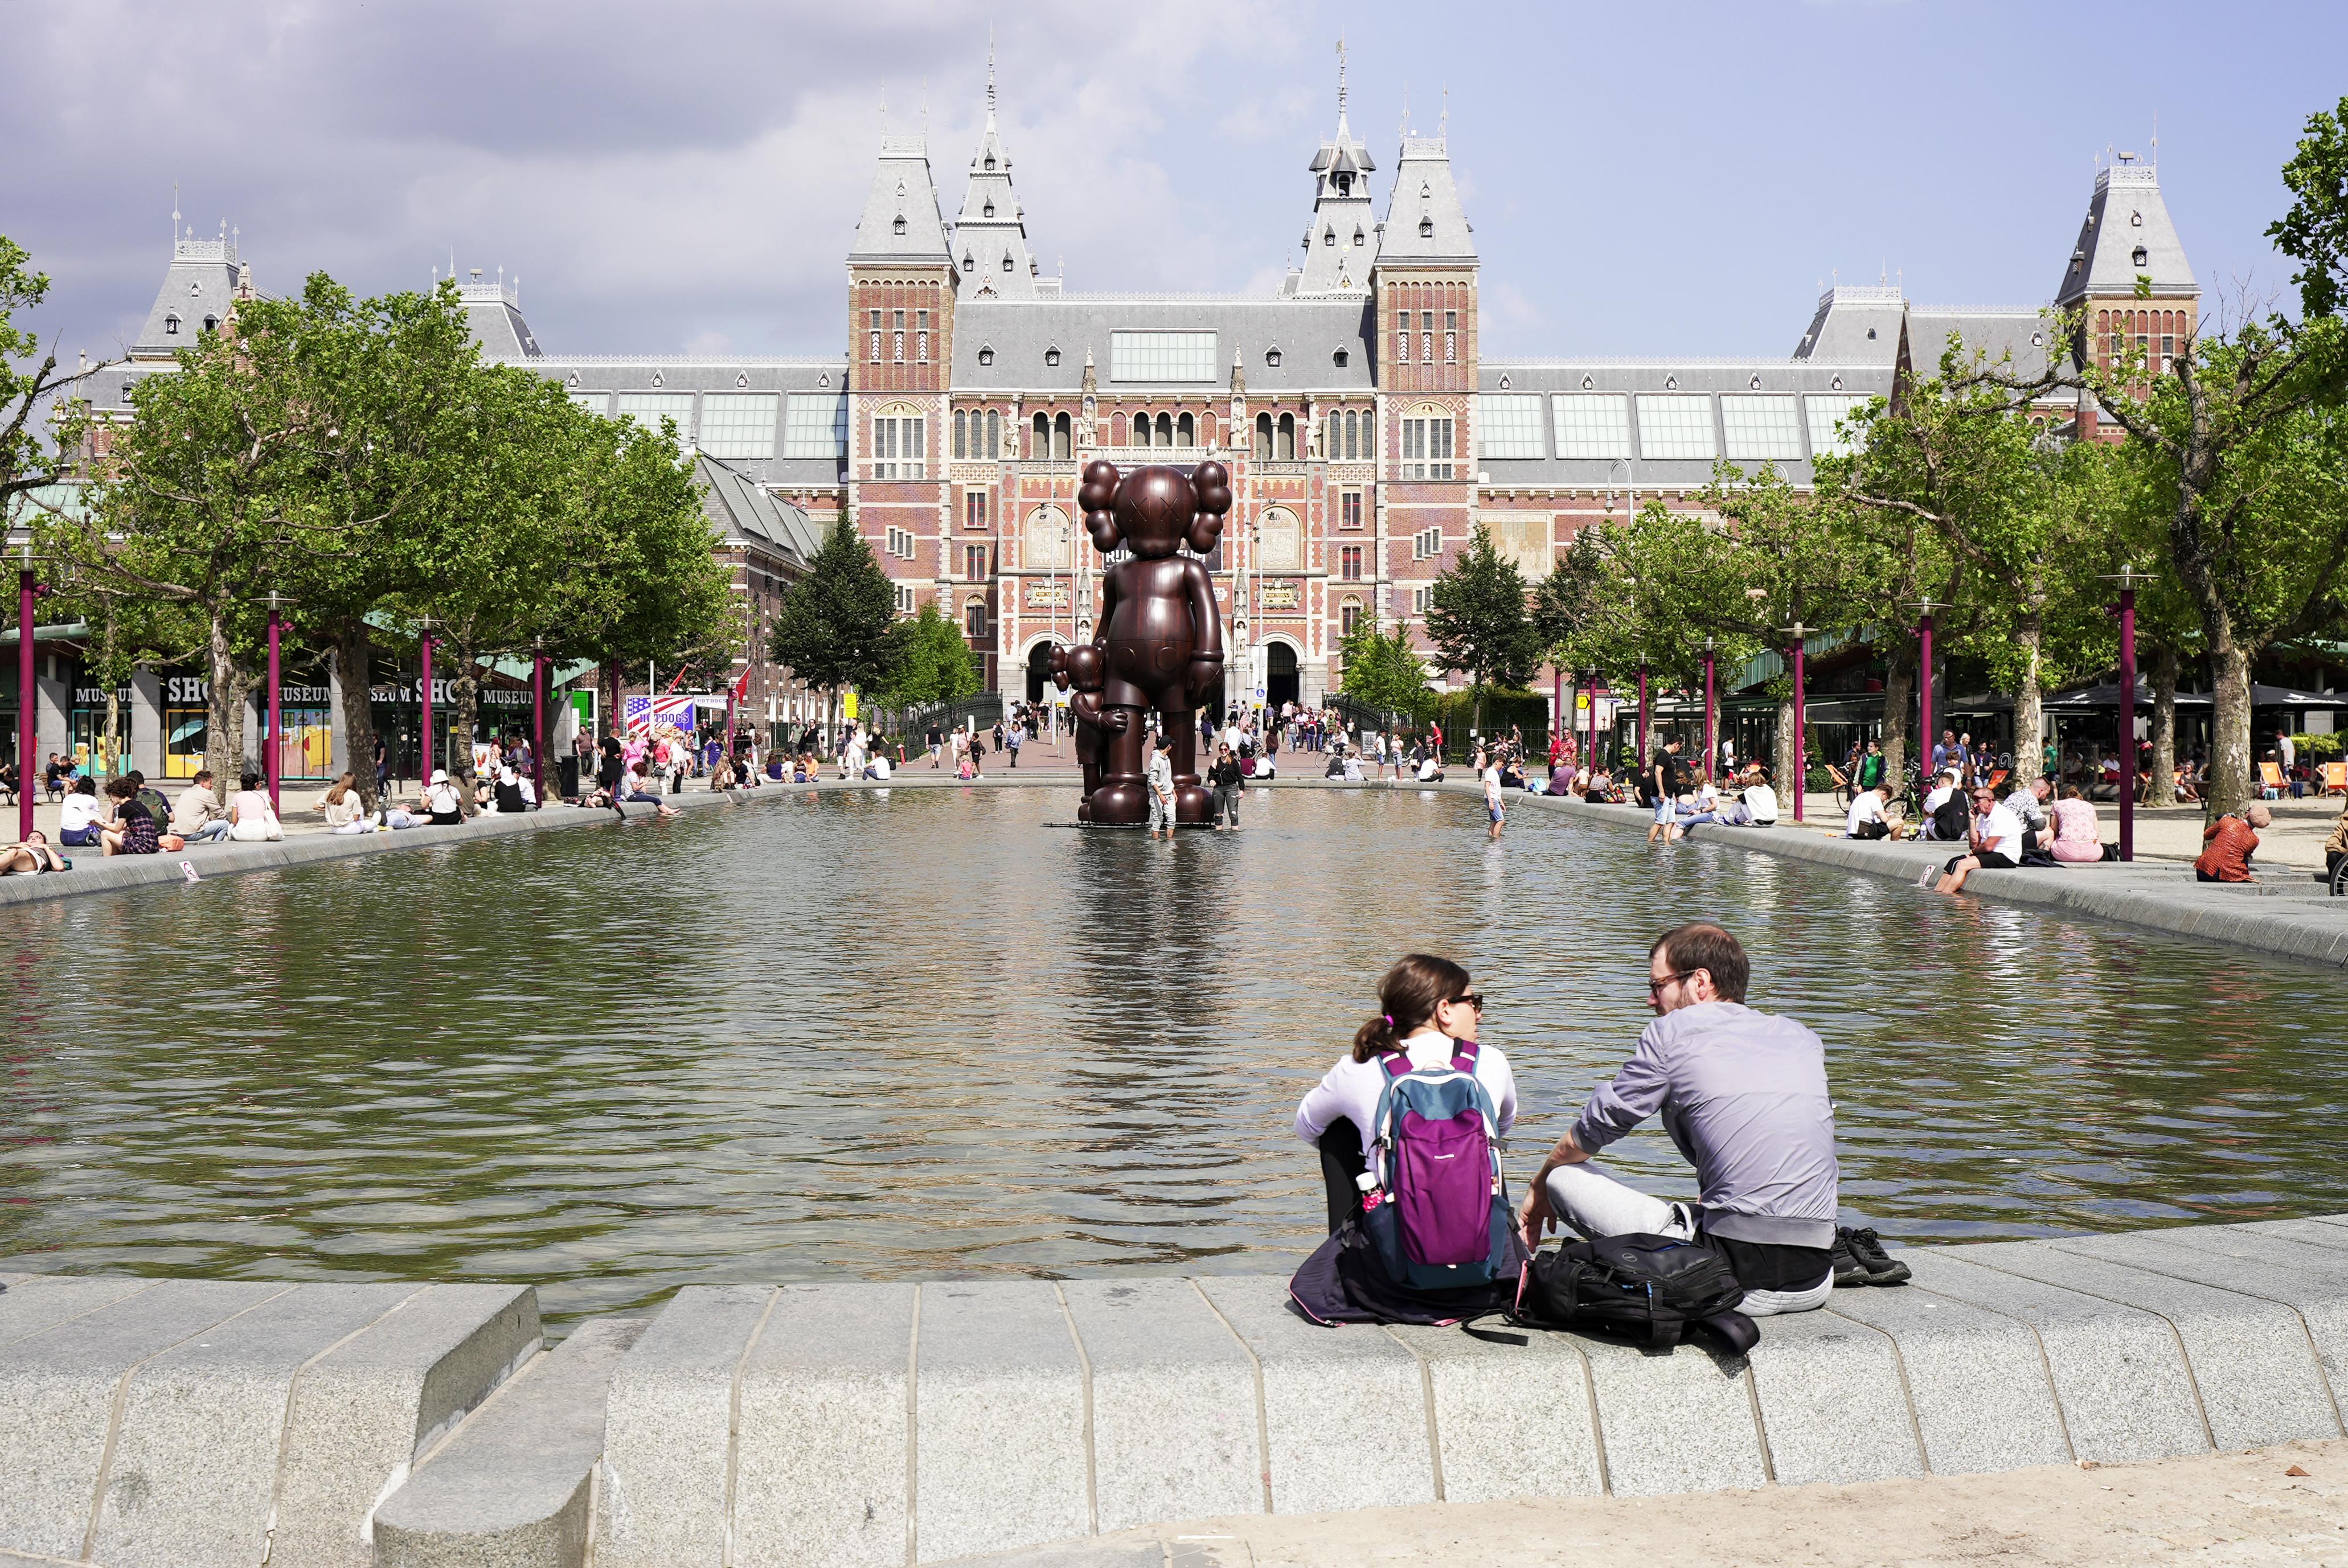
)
(274, 746)
(1801, 748)
(1642, 717)
(424, 701)
(2127, 723)
(538, 725)
(1593, 724)
(1924, 699)
(1711, 740)
(28, 771)
(1563, 723)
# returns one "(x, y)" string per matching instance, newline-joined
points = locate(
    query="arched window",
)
(1369, 430)
(212, 323)
(1288, 437)
(962, 444)
(974, 620)
(1117, 433)
(899, 226)
(988, 210)
(1042, 447)
(1165, 430)
(1263, 437)
(1185, 432)
(994, 432)
(1141, 430)
(1349, 615)
(1426, 228)
(1332, 446)
(171, 326)
(969, 263)
(1427, 443)
(898, 443)
(1353, 452)
(1008, 265)
(1063, 447)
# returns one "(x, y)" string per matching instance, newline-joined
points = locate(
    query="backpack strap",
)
(1395, 1063)
(1464, 1059)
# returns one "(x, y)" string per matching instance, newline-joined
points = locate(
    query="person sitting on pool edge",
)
(1743, 1094)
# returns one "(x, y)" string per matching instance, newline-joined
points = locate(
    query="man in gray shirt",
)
(1744, 1096)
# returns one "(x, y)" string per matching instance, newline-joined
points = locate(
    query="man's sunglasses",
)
(1655, 986)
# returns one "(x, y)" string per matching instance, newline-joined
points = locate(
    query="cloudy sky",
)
(1659, 179)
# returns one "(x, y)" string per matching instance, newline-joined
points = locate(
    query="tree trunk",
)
(2029, 710)
(612, 707)
(1898, 698)
(465, 702)
(2229, 725)
(1791, 774)
(2161, 789)
(223, 713)
(352, 668)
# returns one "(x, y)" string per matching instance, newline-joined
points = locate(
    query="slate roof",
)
(494, 312)
(2127, 215)
(1424, 223)
(1711, 378)
(1309, 333)
(587, 377)
(1854, 324)
(2016, 333)
(740, 508)
(990, 238)
(203, 282)
(902, 190)
(1340, 243)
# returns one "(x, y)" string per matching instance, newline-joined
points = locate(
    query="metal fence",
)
(982, 711)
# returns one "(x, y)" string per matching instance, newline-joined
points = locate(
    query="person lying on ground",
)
(1867, 819)
(30, 857)
(2231, 841)
(1743, 1094)
(1995, 841)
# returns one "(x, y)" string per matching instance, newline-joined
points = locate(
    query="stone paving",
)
(193, 1423)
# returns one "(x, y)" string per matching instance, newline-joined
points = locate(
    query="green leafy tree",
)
(832, 626)
(30, 382)
(1477, 616)
(1384, 671)
(929, 661)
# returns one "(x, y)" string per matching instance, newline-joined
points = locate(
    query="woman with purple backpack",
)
(1408, 1124)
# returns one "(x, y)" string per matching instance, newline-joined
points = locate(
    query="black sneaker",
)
(1866, 1249)
(1847, 1269)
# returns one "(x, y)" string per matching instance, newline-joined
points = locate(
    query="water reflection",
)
(929, 1035)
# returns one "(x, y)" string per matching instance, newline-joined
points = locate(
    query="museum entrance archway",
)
(1039, 670)
(1280, 681)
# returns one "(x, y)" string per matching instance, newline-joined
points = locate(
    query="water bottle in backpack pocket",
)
(1437, 1215)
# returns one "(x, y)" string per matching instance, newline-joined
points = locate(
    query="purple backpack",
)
(1438, 1216)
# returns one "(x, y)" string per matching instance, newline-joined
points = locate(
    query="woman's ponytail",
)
(1409, 994)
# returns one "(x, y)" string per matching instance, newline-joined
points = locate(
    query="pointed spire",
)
(1340, 78)
(990, 239)
(990, 72)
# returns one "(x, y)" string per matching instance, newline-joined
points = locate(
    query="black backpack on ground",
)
(1646, 1289)
(1954, 820)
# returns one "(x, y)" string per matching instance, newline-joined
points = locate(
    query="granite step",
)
(512, 1486)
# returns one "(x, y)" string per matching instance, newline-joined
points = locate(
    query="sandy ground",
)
(2216, 1509)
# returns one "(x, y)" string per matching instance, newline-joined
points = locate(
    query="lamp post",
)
(27, 693)
(274, 746)
(1643, 714)
(424, 701)
(1797, 631)
(1711, 740)
(538, 718)
(2126, 610)
(1924, 607)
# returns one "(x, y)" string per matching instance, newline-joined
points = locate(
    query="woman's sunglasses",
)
(1469, 998)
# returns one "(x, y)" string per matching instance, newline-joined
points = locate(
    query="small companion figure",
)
(1078, 670)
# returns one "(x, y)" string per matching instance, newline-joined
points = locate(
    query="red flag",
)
(742, 686)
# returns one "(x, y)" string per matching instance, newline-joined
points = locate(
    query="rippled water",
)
(925, 1033)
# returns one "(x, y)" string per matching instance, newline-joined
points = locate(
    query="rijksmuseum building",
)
(1368, 426)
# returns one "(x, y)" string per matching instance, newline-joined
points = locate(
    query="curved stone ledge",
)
(878, 1425)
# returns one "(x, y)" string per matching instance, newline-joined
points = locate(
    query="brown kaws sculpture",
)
(1160, 633)
(1078, 670)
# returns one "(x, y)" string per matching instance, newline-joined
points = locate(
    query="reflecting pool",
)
(924, 1033)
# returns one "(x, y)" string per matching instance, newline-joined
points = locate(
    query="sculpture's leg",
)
(1193, 804)
(1123, 798)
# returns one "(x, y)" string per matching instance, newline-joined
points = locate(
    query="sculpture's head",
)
(1079, 666)
(1155, 510)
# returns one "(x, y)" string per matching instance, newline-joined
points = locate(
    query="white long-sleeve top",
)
(1350, 1090)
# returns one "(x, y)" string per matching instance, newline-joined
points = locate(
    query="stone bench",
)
(858, 1426)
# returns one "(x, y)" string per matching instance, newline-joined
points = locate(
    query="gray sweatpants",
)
(1596, 1204)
